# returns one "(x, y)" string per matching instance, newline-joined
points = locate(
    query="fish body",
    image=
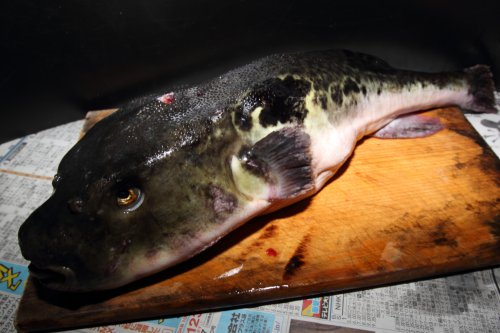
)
(166, 177)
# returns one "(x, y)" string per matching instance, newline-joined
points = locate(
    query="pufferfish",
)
(168, 176)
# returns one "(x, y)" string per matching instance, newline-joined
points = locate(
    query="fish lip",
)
(57, 277)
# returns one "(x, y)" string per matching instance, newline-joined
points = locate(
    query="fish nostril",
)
(56, 180)
(75, 205)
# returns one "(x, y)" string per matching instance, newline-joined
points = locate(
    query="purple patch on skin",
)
(222, 201)
(151, 253)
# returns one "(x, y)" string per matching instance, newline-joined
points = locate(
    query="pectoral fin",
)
(276, 167)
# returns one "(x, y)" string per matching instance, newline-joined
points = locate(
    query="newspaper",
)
(461, 303)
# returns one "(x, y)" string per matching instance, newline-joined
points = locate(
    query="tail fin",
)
(481, 88)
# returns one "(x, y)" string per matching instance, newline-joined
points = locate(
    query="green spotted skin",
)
(208, 158)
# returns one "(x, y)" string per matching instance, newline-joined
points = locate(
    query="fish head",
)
(122, 208)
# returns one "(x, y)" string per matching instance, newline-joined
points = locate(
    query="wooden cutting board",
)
(399, 210)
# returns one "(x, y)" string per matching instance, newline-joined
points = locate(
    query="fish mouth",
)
(53, 275)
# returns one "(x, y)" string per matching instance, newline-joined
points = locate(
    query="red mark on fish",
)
(167, 98)
(271, 252)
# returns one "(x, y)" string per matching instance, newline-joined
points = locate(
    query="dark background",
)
(62, 58)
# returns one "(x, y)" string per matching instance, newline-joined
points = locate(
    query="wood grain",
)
(399, 210)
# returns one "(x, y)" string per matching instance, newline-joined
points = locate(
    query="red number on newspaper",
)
(193, 324)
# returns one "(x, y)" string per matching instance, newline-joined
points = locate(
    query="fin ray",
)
(283, 159)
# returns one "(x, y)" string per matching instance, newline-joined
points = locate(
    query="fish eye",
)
(129, 198)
